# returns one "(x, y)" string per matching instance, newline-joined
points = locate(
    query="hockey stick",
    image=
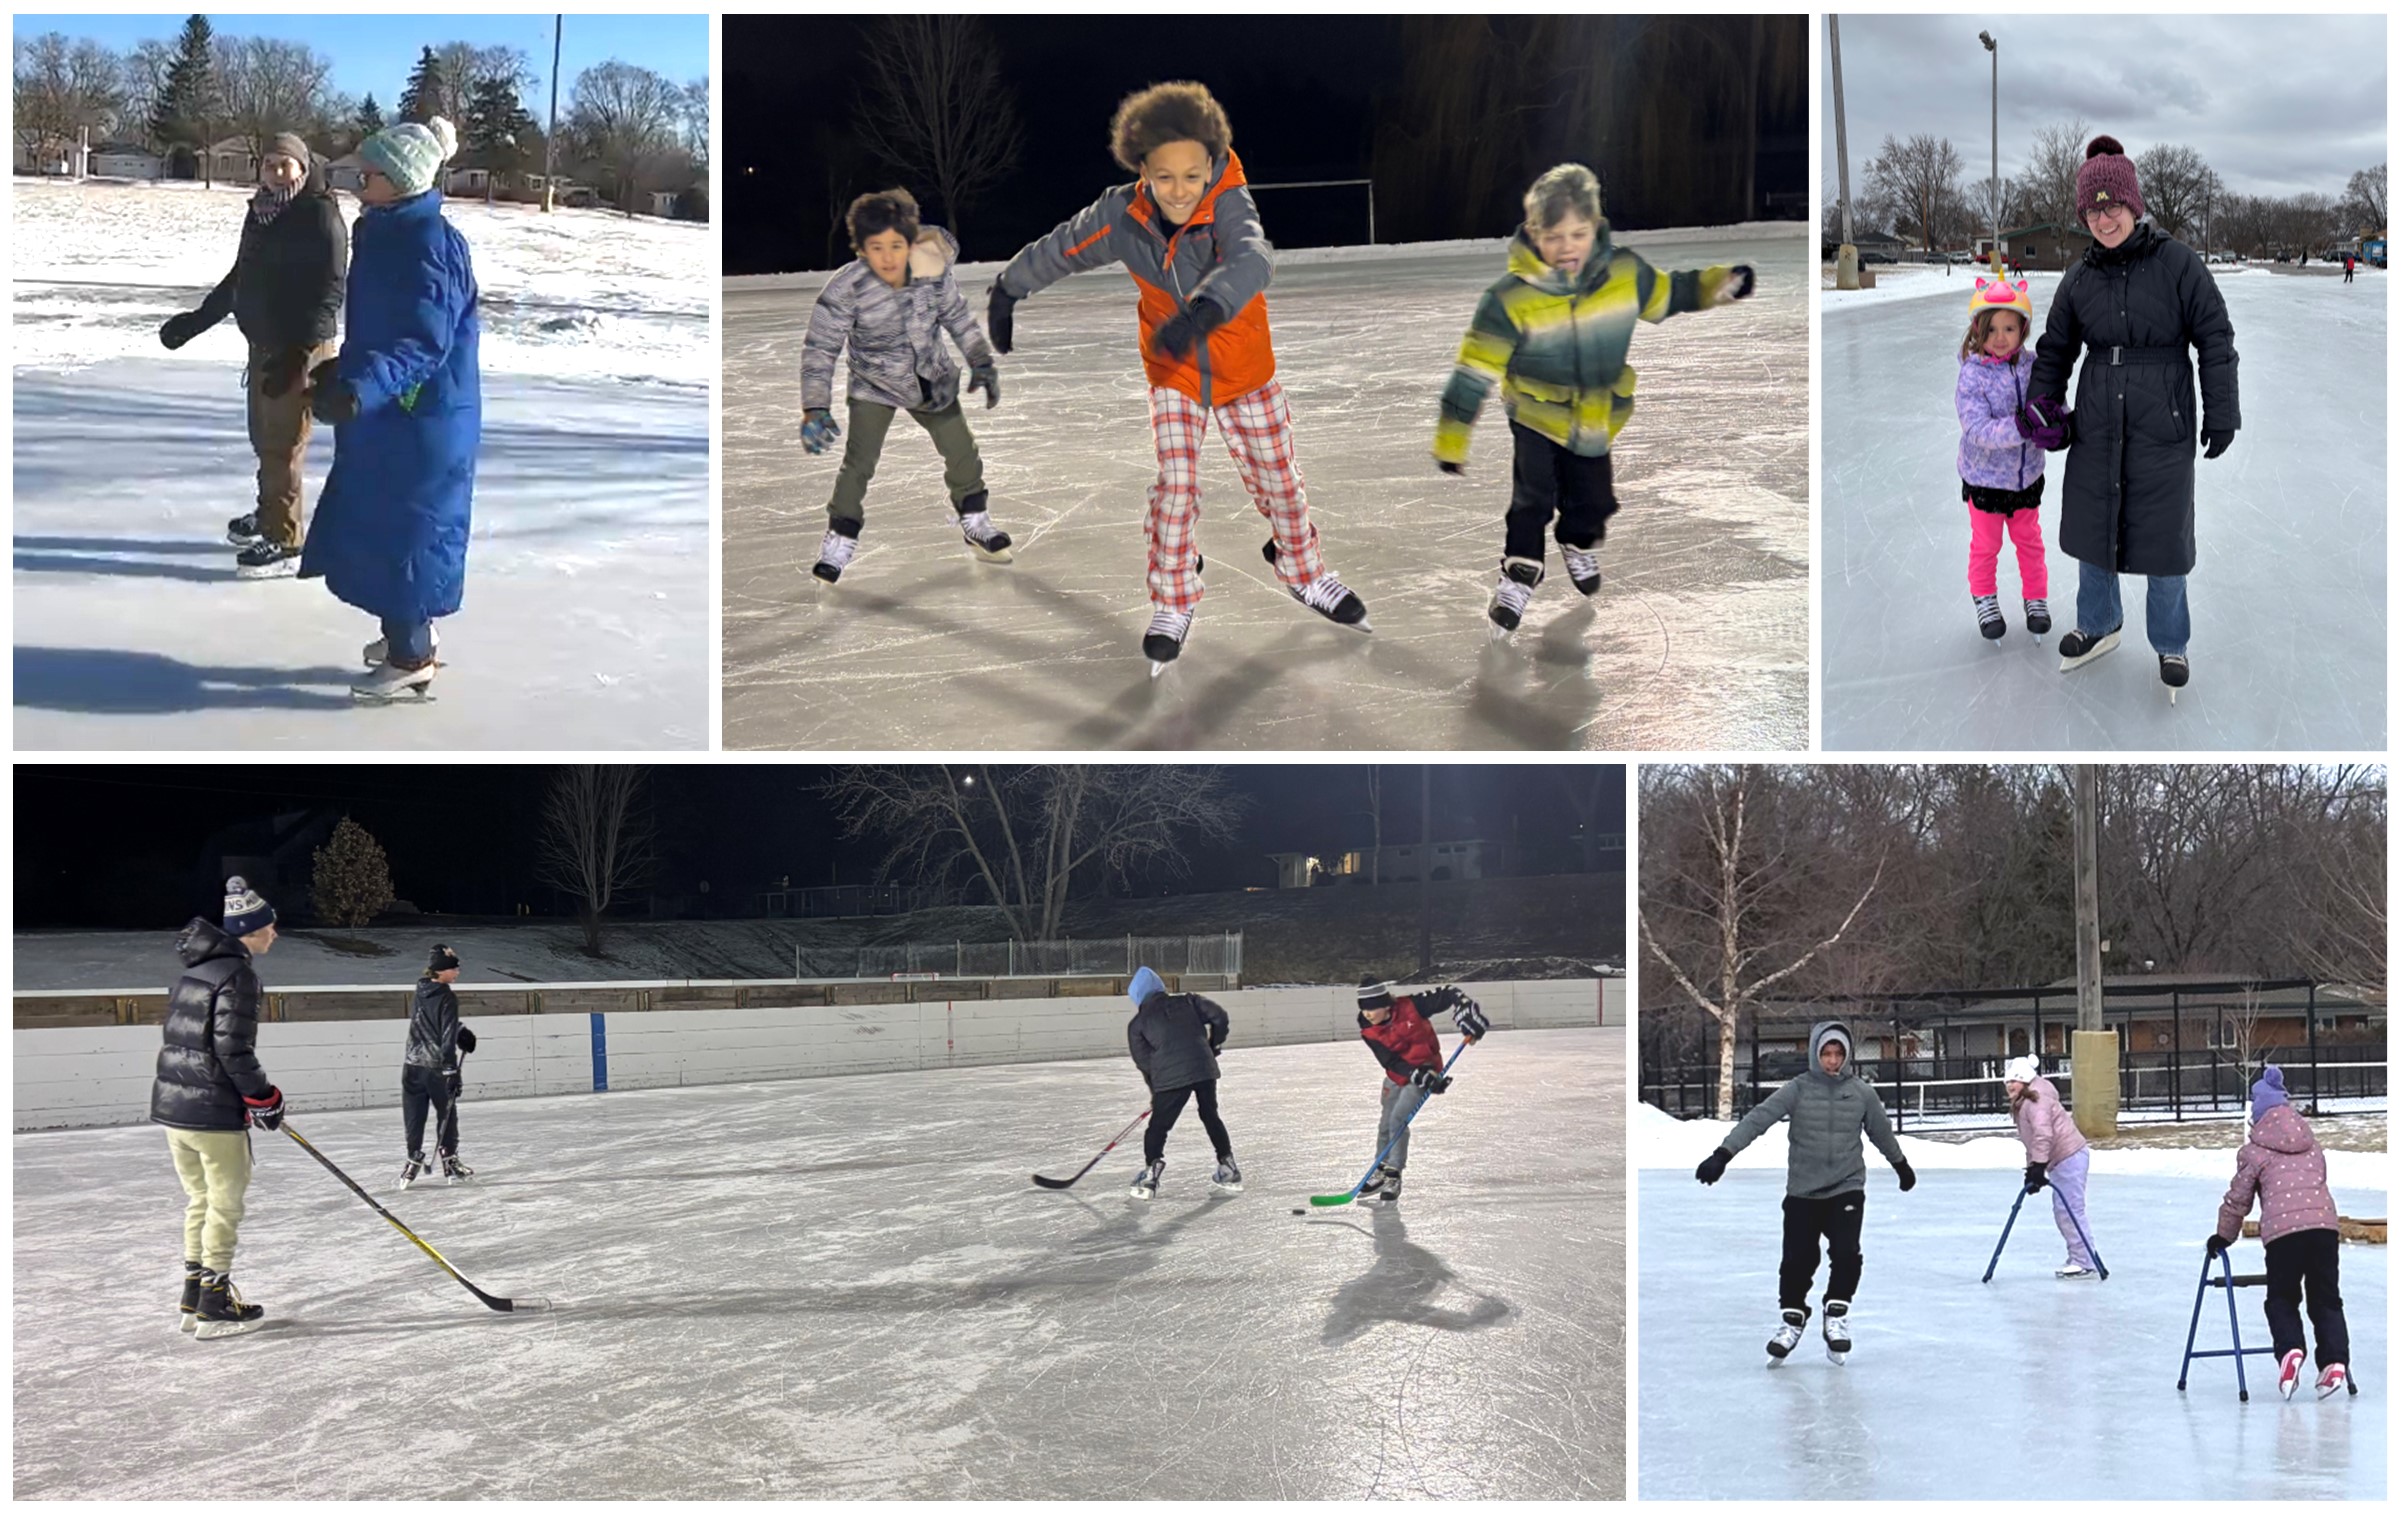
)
(1069, 1183)
(496, 1301)
(1344, 1199)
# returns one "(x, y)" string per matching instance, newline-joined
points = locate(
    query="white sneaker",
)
(989, 541)
(834, 554)
(379, 652)
(387, 684)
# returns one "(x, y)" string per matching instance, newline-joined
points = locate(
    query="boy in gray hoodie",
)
(1825, 1186)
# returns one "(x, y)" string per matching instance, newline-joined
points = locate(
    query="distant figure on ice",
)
(2130, 308)
(1553, 334)
(285, 294)
(2000, 462)
(208, 1090)
(430, 1077)
(1825, 1181)
(2282, 1167)
(1174, 1040)
(1188, 233)
(2348, 263)
(2056, 1156)
(889, 307)
(405, 399)
(1398, 1031)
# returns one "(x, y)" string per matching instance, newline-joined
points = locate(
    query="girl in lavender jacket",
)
(2283, 1167)
(2000, 467)
(2056, 1157)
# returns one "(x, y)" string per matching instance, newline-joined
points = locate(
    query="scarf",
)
(270, 202)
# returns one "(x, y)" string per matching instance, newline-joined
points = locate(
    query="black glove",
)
(2217, 1244)
(283, 371)
(1469, 1018)
(2034, 1177)
(1452, 468)
(1188, 328)
(1432, 1080)
(1744, 281)
(267, 1112)
(453, 1082)
(986, 378)
(325, 374)
(179, 328)
(335, 404)
(466, 1040)
(1000, 321)
(2213, 443)
(1908, 1175)
(1713, 1167)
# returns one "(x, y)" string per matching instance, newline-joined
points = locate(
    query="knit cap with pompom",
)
(2106, 177)
(411, 155)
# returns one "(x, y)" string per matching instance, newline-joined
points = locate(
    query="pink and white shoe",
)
(2288, 1372)
(2334, 1380)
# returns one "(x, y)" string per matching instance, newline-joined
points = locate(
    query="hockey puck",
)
(1300, 1212)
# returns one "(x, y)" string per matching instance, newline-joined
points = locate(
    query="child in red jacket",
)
(1398, 1033)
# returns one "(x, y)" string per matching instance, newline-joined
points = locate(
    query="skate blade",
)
(993, 554)
(1225, 1188)
(288, 568)
(2106, 645)
(212, 1330)
(1839, 1359)
(187, 1325)
(1499, 635)
(409, 694)
(1137, 1194)
(1158, 670)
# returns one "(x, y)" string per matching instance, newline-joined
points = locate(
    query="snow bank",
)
(1916, 282)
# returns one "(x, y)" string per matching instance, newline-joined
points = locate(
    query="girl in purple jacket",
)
(2000, 467)
(2284, 1169)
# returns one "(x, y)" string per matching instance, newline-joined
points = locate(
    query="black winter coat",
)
(210, 1059)
(2128, 500)
(285, 287)
(433, 1027)
(1174, 1039)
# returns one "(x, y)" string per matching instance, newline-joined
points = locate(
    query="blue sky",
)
(373, 54)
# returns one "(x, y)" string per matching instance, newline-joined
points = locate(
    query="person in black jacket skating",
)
(285, 293)
(1174, 1040)
(209, 1088)
(2133, 309)
(430, 1074)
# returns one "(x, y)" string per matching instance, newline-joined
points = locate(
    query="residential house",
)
(2044, 245)
(126, 160)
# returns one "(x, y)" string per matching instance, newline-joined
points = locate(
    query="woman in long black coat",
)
(2134, 308)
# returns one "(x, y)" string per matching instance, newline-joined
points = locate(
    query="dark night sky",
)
(106, 845)
(1307, 96)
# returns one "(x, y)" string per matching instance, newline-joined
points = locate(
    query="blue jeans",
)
(2166, 615)
(409, 643)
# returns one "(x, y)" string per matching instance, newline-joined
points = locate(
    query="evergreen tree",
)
(421, 100)
(369, 119)
(498, 129)
(186, 106)
(351, 882)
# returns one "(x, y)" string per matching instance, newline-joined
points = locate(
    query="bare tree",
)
(2344, 940)
(2176, 185)
(464, 67)
(63, 90)
(144, 72)
(2050, 177)
(270, 85)
(596, 840)
(2365, 195)
(936, 106)
(1375, 824)
(626, 118)
(1021, 837)
(1919, 180)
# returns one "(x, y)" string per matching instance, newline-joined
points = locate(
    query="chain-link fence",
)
(1219, 955)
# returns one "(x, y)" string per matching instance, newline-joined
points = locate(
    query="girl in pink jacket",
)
(2056, 1157)
(2284, 1169)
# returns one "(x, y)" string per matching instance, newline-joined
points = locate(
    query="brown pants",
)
(279, 426)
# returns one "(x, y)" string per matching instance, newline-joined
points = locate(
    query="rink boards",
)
(101, 1075)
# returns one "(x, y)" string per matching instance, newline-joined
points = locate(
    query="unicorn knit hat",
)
(2002, 294)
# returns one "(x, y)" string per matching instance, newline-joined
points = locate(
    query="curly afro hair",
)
(1179, 112)
(2100, 145)
(884, 210)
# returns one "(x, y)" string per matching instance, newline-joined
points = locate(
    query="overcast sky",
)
(2276, 104)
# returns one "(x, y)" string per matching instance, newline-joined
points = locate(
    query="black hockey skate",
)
(1146, 1182)
(1512, 594)
(1375, 1182)
(222, 1309)
(1837, 1327)
(188, 1316)
(1988, 617)
(413, 1169)
(1163, 643)
(2078, 648)
(836, 550)
(242, 530)
(1788, 1335)
(1228, 1176)
(266, 560)
(2038, 616)
(2175, 671)
(453, 1170)
(987, 541)
(1325, 595)
(1390, 1193)
(1583, 568)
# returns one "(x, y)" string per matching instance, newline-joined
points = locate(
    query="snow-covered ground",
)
(2288, 650)
(1697, 639)
(1961, 1389)
(586, 616)
(846, 1288)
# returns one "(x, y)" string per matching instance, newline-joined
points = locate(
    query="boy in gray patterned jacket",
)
(890, 308)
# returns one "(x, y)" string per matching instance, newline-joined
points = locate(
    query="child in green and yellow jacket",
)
(1553, 333)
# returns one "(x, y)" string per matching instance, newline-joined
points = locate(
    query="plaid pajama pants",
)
(1257, 431)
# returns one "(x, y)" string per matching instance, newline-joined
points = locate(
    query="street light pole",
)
(1846, 256)
(550, 136)
(1992, 186)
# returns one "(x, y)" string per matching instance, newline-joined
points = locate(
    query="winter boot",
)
(834, 552)
(1788, 1335)
(390, 682)
(189, 1315)
(1513, 593)
(454, 1171)
(379, 652)
(1583, 568)
(412, 1170)
(1227, 1177)
(2079, 647)
(242, 530)
(1146, 1182)
(2288, 1372)
(2334, 1379)
(1164, 642)
(1837, 1327)
(2038, 616)
(222, 1311)
(266, 560)
(1988, 617)
(989, 542)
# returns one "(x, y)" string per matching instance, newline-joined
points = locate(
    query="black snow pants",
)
(420, 1088)
(1167, 1104)
(1549, 480)
(1837, 1218)
(2312, 1258)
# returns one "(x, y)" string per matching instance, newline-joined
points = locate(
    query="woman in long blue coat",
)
(406, 406)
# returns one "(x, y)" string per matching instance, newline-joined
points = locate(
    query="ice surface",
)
(1697, 638)
(847, 1288)
(2288, 598)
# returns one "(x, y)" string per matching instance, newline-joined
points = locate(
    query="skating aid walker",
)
(2228, 1280)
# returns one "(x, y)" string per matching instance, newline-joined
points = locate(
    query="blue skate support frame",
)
(2230, 1281)
(2100, 1266)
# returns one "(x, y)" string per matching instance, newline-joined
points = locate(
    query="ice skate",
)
(389, 684)
(2288, 1372)
(453, 1170)
(2075, 1272)
(2334, 1380)
(1164, 642)
(1583, 569)
(379, 652)
(987, 541)
(2038, 617)
(1375, 1182)
(2077, 648)
(834, 552)
(1146, 1182)
(1325, 595)
(242, 530)
(266, 560)
(188, 1316)
(1787, 1337)
(1391, 1192)
(222, 1310)
(1511, 595)
(2175, 671)
(1836, 1325)
(413, 1169)
(1227, 1177)
(1988, 617)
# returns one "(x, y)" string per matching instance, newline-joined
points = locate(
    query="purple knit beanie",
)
(2107, 178)
(2268, 1093)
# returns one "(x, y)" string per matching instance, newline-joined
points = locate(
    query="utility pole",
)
(550, 137)
(1992, 186)
(2093, 1051)
(1846, 256)
(1425, 869)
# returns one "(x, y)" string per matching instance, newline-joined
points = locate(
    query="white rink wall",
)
(100, 1076)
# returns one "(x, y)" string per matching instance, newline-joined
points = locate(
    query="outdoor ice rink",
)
(847, 1288)
(1698, 638)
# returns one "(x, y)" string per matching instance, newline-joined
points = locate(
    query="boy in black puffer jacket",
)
(429, 1073)
(1174, 1040)
(209, 1088)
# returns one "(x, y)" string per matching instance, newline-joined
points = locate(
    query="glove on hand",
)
(335, 404)
(1740, 287)
(1188, 328)
(819, 431)
(1432, 1080)
(466, 1040)
(1469, 1018)
(1451, 468)
(453, 1082)
(986, 378)
(2034, 1177)
(1713, 1167)
(1908, 1176)
(267, 1112)
(284, 371)
(2215, 443)
(2218, 1244)
(2046, 422)
(1000, 318)
(178, 329)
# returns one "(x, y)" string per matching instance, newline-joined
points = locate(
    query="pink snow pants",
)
(2025, 528)
(1257, 431)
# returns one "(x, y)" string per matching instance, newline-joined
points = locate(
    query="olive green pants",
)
(962, 465)
(215, 1169)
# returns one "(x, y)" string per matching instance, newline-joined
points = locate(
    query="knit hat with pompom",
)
(2106, 177)
(410, 155)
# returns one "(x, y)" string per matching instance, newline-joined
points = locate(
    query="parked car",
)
(1877, 257)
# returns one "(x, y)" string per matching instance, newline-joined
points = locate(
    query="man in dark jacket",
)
(1174, 1040)
(285, 293)
(208, 1090)
(1825, 1180)
(1398, 1032)
(429, 1070)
